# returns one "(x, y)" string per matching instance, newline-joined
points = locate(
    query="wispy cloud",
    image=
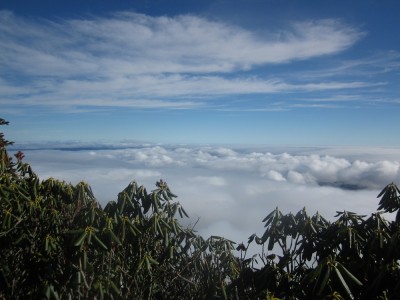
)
(376, 64)
(129, 43)
(134, 60)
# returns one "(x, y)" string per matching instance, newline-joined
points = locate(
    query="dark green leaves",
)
(390, 200)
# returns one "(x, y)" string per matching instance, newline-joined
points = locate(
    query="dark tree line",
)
(57, 242)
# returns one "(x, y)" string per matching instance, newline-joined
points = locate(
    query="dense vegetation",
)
(56, 242)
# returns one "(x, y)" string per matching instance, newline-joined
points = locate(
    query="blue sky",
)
(224, 72)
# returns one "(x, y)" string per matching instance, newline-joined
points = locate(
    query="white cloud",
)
(209, 180)
(378, 63)
(275, 176)
(139, 61)
(145, 44)
(298, 178)
(230, 190)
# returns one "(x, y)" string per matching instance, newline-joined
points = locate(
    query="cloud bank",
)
(229, 190)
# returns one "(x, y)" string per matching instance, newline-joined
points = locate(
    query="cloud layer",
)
(128, 43)
(139, 61)
(230, 190)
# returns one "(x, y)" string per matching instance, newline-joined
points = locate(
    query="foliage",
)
(57, 242)
(307, 257)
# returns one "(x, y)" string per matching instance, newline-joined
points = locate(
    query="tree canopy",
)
(57, 242)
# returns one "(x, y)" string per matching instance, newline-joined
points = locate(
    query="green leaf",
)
(180, 212)
(174, 228)
(114, 237)
(383, 191)
(271, 243)
(166, 238)
(251, 238)
(100, 242)
(140, 265)
(152, 260)
(155, 202)
(184, 212)
(46, 243)
(224, 291)
(165, 224)
(114, 287)
(133, 229)
(349, 274)
(54, 293)
(324, 281)
(170, 194)
(48, 292)
(80, 240)
(269, 215)
(344, 284)
(148, 266)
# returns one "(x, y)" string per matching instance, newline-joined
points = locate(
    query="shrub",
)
(57, 242)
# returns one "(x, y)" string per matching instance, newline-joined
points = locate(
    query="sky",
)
(232, 72)
(240, 106)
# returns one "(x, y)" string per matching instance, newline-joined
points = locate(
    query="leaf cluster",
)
(307, 257)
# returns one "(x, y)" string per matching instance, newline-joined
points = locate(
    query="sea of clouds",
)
(228, 190)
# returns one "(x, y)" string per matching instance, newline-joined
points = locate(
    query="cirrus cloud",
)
(127, 43)
(134, 60)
